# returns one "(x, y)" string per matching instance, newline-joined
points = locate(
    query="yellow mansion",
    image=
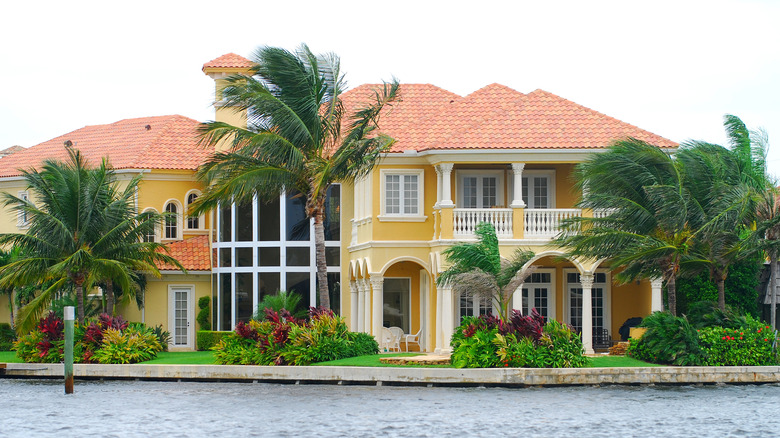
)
(495, 155)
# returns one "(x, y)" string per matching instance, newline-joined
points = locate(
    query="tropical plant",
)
(670, 339)
(203, 313)
(477, 269)
(289, 301)
(293, 141)
(83, 230)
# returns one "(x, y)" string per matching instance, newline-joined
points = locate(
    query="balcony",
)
(465, 220)
(545, 223)
(538, 223)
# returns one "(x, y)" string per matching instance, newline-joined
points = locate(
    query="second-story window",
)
(172, 221)
(193, 222)
(401, 195)
(23, 220)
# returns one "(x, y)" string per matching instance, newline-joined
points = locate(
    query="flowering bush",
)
(105, 340)
(524, 341)
(281, 339)
(744, 346)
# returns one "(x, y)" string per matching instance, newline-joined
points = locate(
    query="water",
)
(189, 409)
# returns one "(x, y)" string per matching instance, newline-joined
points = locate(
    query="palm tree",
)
(82, 230)
(477, 269)
(5, 258)
(649, 223)
(294, 140)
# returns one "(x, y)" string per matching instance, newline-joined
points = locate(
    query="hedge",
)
(207, 339)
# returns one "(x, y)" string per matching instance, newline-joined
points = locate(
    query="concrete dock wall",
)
(408, 376)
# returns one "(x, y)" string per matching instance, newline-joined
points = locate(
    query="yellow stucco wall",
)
(5, 313)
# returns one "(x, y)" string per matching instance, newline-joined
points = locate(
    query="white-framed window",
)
(601, 297)
(539, 188)
(474, 306)
(539, 293)
(481, 189)
(172, 222)
(193, 222)
(23, 219)
(151, 235)
(402, 194)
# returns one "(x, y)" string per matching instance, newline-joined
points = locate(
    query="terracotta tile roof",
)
(164, 142)
(192, 253)
(496, 117)
(11, 150)
(230, 60)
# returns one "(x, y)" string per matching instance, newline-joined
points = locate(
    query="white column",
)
(366, 321)
(586, 280)
(361, 311)
(377, 283)
(446, 189)
(439, 341)
(656, 297)
(353, 306)
(448, 316)
(517, 169)
(517, 300)
(438, 186)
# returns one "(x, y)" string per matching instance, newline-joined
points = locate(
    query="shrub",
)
(524, 341)
(670, 340)
(203, 313)
(207, 339)
(281, 339)
(105, 340)
(743, 346)
(163, 336)
(7, 337)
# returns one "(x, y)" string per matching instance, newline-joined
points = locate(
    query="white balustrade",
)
(465, 220)
(546, 222)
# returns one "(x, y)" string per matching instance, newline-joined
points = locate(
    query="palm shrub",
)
(289, 301)
(669, 339)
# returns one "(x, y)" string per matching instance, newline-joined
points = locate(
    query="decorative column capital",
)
(586, 280)
(445, 168)
(517, 168)
(377, 281)
(656, 283)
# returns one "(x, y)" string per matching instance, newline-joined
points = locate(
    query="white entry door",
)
(180, 316)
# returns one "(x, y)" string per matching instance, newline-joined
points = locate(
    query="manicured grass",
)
(184, 358)
(618, 361)
(9, 357)
(372, 360)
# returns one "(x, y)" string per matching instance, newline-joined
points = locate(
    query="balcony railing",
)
(546, 222)
(465, 220)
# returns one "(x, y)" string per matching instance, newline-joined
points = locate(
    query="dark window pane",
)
(244, 222)
(268, 221)
(332, 256)
(332, 213)
(268, 256)
(244, 296)
(298, 256)
(244, 256)
(298, 282)
(396, 299)
(297, 222)
(214, 309)
(267, 284)
(224, 257)
(334, 291)
(225, 295)
(224, 228)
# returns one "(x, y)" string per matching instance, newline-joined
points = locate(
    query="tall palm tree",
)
(294, 140)
(649, 222)
(82, 228)
(477, 269)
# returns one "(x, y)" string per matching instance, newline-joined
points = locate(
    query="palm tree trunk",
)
(80, 302)
(11, 305)
(720, 282)
(671, 294)
(110, 297)
(773, 287)
(319, 250)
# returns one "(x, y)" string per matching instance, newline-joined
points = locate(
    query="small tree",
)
(478, 270)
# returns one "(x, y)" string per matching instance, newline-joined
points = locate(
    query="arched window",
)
(172, 221)
(193, 222)
(150, 234)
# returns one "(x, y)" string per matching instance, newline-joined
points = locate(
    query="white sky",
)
(671, 67)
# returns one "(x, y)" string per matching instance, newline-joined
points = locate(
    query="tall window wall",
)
(263, 248)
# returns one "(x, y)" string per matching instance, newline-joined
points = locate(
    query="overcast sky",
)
(671, 67)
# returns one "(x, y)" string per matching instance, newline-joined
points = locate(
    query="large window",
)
(539, 188)
(396, 305)
(599, 300)
(539, 294)
(402, 194)
(267, 246)
(193, 222)
(474, 305)
(481, 190)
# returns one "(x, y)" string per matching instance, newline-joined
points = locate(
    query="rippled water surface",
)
(121, 408)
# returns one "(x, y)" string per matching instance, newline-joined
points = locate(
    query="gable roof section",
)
(496, 117)
(163, 142)
(192, 253)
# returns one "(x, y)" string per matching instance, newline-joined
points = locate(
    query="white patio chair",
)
(389, 341)
(396, 334)
(415, 339)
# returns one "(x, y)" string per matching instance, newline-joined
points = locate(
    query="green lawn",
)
(184, 358)
(9, 357)
(617, 361)
(372, 360)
